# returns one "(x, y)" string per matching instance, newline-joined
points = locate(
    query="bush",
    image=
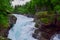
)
(3, 21)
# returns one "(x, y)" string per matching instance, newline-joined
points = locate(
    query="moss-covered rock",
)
(45, 22)
(12, 20)
(3, 21)
(36, 25)
(4, 29)
(41, 14)
(45, 17)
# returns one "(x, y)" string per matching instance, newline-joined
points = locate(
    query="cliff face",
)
(46, 27)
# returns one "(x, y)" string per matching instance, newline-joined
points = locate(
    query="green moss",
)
(41, 14)
(44, 20)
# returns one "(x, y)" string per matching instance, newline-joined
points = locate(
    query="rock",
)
(4, 31)
(3, 38)
(12, 20)
(46, 26)
(36, 34)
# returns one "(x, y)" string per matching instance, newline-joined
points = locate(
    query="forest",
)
(46, 11)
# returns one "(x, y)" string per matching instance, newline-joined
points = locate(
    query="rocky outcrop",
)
(45, 28)
(12, 20)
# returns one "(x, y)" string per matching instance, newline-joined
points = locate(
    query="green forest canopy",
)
(36, 5)
(5, 8)
(30, 8)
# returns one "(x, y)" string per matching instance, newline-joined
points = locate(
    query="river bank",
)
(45, 27)
(4, 31)
(12, 20)
(23, 29)
(41, 32)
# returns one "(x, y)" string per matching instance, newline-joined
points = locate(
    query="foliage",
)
(5, 9)
(26, 9)
(5, 4)
(3, 21)
(30, 8)
(44, 20)
(35, 5)
(41, 14)
(45, 16)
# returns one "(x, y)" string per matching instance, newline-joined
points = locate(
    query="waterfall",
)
(23, 29)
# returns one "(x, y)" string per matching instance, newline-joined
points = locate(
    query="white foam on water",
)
(23, 28)
(56, 37)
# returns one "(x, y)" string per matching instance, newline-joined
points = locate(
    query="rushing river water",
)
(23, 28)
(56, 37)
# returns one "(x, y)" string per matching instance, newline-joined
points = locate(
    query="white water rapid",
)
(23, 28)
(56, 37)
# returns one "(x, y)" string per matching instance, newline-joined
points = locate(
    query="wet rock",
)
(36, 34)
(12, 20)
(3, 38)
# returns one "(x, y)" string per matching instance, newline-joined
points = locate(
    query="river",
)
(23, 29)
